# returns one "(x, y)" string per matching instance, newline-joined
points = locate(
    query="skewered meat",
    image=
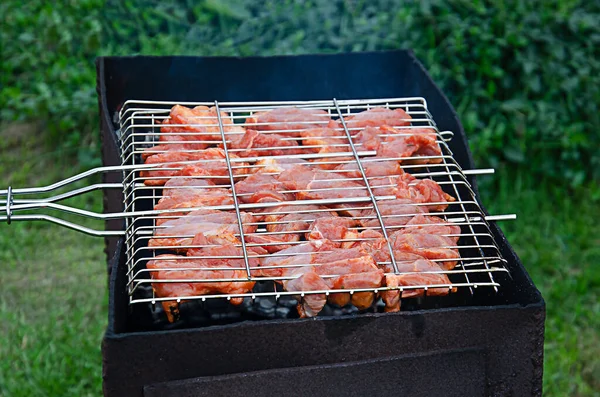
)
(331, 228)
(377, 117)
(287, 227)
(362, 299)
(430, 246)
(254, 144)
(432, 225)
(339, 268)
(171, 159)
(400, 144)
(213, 165)
(393, 213)
(178, 233)
(176, 147)
(165, 267)
(288, 121)
(423, 191)
(198, 124)
(175, 267)
(324, 138)
(317, 184)
(208, 163)
(371, 168)
(415, 274)
(276, 165)
(308, 280)
(421, 142)
(261, 188)
(190, 193)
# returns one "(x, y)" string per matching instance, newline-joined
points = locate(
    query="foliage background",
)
(523, 75)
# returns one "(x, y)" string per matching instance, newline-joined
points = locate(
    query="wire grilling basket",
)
(273, 243)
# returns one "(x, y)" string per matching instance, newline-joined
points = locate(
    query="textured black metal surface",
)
(508, 327)
(406, 375)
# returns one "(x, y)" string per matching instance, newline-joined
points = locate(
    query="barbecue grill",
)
(483, 336)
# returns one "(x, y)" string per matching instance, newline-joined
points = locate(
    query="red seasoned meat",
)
(171, 159)
(261, 188)
(371, 169)
(190, 193)
(288, 121)
(394, 213)
(423, 191)
(432, 225)
(255, 144)
(208, 163)
(413, 274)
(339, 268)
(175, 147)
(419, 143)
(165, 267)
(178, 233)
(430, 246)
(306, 279)
(317, 184)
(276, 165)
(214, 165)
(324, 138)
(332, 228)
(377, 117)
(198, 124)
(287, 227)
(363, 299)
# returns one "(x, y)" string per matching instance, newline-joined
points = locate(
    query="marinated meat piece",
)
(255, 144)
(414, 275)
(165, 267)
(276, 165)
(190, 193)
(384, 186)
(198, 124)
(362, 299)
(288, 121)
(403, 147)
(208, 162)
(371, 168)
(334, 229)
(429, 246)
(324, 138)
(213, 165)
(307, 280)
(179, 232)
(423, 191)
(287, 228)
(377, 117)
(171, 159)
(393, 213)
(261, 188)
(400, 144)
(175, 147)
(369, 138)
(432, 225)
(329, 161)
(316, 184)
(295, 257)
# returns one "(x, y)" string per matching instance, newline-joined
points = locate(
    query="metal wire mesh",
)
(142, 124)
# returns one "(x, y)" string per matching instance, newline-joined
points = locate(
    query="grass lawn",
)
(53, 291)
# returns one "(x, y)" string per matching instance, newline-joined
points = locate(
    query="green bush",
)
(524, 76)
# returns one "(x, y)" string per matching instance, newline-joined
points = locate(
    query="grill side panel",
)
(509, 340)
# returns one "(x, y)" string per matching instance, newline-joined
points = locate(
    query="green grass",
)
(53, 291)
(53, 295)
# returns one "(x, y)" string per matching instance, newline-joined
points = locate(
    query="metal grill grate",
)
(140, 123)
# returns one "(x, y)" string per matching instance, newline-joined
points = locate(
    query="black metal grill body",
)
(485, 344)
